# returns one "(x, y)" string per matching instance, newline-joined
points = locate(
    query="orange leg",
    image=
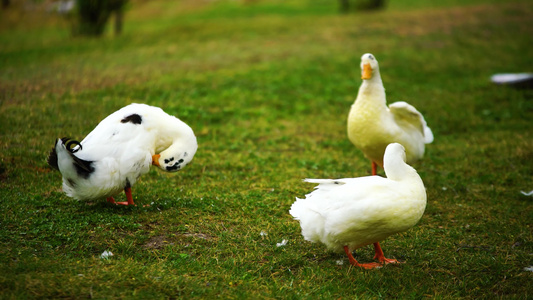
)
(374, 168)
(129, 197)
(381, 257)
(355, 263)
(111, 200)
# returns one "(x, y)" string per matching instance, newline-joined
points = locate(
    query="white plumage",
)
(346, 214)
(372, 125)
(120, 149)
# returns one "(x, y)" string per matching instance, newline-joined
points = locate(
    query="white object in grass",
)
(283, 243)
(530, 193)
(106, 254)
(511, 78)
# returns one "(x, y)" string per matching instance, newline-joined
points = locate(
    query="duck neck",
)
(185, 142)
(372, 91)
(398, 170)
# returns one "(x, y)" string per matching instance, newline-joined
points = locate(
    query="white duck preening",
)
(346, 214)
(372, 125)
(120, 149)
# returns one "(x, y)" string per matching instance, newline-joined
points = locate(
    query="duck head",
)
(176, 157)
(369, 65)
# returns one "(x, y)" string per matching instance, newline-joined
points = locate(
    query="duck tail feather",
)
(83, 167)
(52, 157)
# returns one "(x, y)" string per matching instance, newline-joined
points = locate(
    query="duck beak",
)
(367, 71)
(155, 159)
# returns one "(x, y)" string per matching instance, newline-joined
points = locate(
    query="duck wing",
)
(406, 116)
(334, 194)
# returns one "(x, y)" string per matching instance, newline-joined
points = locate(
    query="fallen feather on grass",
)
(530, 193)
(283, 243)
(106, 254)
(529, 269)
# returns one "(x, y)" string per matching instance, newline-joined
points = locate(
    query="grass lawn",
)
(267, 87)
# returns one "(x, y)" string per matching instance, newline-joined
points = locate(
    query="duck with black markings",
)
(119, 150)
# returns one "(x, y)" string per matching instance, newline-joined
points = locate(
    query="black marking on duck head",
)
(176, 166)
(167, 160)
(135, 119)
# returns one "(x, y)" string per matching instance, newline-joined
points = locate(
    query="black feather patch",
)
(135, 119)
(84, 168)
(52, 158)
(71, 182)
(176, 166)
(173, 167)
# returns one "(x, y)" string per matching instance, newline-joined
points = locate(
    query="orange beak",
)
(155, 159)
(367, 72)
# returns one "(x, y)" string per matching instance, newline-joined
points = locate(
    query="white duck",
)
(346, 214)
(120, 149)
(372, 125)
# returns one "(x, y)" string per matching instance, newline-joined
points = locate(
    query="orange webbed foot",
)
(129, 198)
(389, 261)
(354, 262)
(381, 257)
(370, 266)
(125, 203)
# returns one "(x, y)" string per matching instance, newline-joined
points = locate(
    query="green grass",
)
(267, 88)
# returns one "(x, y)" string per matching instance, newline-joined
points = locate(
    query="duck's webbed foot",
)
(354, 262)
(381, 257)
(129, 198)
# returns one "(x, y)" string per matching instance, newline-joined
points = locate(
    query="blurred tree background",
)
(361, 5)
(93, 16)
(90, 17)
(86, 17)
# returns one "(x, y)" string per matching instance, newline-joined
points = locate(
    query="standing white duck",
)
(346, 214)
(372, 125)
(120, 149)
